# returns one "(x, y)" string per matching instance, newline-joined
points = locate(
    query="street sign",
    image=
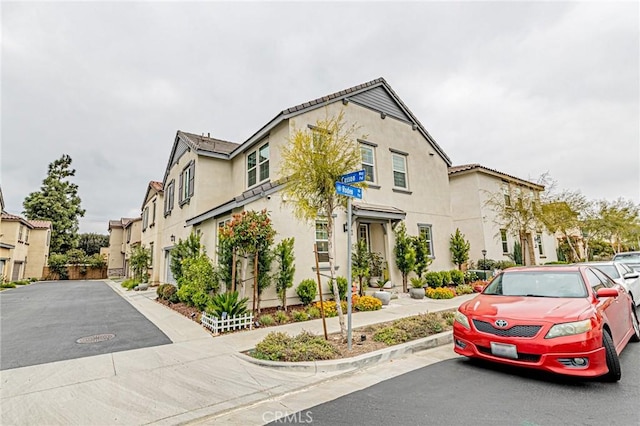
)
(354, 177)
(349, 191)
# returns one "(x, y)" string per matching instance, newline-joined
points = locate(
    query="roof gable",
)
(153, 188)
(472, 168)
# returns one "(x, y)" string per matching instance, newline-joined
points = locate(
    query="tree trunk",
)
(332, 272)
(404, 283)
(574, 253)
(531, 249)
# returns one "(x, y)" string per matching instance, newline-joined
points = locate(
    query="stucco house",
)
(152, 224)
(123, 233)
(24, 246)
(207, 180)
(472, 185)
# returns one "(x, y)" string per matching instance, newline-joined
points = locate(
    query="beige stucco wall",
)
(10, 231)
(131, 239)
(151, 235)
(38, 253)
(115, 258)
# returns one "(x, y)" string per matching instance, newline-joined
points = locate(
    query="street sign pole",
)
(349, 278)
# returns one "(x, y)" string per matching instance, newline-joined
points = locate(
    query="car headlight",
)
(569, 328)
(462, 319)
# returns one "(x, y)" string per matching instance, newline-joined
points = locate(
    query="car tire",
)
(613, 362)
(635, 337)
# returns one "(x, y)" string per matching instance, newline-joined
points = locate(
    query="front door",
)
(15, 275)
(169, 279)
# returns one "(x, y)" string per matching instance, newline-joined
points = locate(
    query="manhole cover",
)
(96, 339)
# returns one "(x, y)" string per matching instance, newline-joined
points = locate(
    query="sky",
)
(525, 88)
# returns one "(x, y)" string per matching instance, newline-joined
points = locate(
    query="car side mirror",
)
(608, 292)
(631, 275)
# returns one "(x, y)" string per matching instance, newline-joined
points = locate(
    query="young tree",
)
(58, 202)
(286, 268)
(405, 253)
(313, 162)
(360, 261)
(189, 248)
(459, 248)
(421, 249)
(139, 260)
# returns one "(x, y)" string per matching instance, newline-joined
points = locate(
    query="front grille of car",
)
(515, 331)
(533, 358)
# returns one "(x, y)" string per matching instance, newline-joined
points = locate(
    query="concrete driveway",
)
(60, 320)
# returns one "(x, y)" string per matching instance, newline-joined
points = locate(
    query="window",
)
(150, 254)
(322, 240)
(539, 243)
(503, 238)
(129, 234)
(363, 234)
(368, 162)
(258, 165)
(26, 236)
(145, 218)
(425, 232)
(399, 171)
(186, 183)
(507, 195)
(168, 197)
(20, 231)
(153, 213)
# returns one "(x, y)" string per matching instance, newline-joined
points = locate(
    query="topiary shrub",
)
(307, 291)
(457, 277)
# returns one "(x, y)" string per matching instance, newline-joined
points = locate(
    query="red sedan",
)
(570, 320)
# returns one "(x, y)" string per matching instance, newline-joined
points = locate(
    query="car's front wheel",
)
(613, 362)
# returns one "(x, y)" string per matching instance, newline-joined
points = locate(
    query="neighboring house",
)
(152, 223)
(117, 247)
(6, 249)
(39, 240)
(24, 247)
(132, 236)
(471, 186)
(207, 180)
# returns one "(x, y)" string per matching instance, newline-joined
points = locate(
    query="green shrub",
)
(278, 346)
(313, 312)
(418, 282)
(21, 282)
(281, 317)
(170, 293)
(266, 320)
(129, 283)
(307, 291)
(446, 277)
(7, 285)
(200, 300)
(390, 336)
(300, 316)
(470, 277)
(160, 289)
(186, 293)
(464, 289)
(457, 277)
(434, 280)
(227, 303)
(342, 287)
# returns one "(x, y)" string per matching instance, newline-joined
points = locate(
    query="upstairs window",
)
(368, 162)
(169, 197)
(399, 171)
(20, 230)
(539, 244)
(507, 195)
(145, 218)
(258, 165)
(151, 255)
(186, 183)
(153, 213)
(503, 238)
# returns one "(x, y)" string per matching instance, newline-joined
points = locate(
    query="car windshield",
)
(538, 284)
(609, 270)
(627, 257)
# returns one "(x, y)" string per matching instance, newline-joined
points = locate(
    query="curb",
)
(356, 362)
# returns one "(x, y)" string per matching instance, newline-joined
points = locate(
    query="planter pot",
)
(417, 293)
(383, 296)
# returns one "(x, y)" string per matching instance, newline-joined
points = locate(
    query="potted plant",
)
(417, 287)
(380, 294)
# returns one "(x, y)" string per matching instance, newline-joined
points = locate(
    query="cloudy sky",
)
(525, 88)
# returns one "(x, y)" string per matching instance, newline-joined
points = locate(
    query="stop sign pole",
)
(350, 192)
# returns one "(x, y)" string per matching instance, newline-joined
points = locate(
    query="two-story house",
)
(24, 245)
(122, 233)
(208, 180)
(152, 223)
(476, 191)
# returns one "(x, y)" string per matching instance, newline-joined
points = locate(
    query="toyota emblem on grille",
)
(501, 323)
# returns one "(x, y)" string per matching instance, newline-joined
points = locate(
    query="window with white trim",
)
(186, 183)
(169, 197)
(153, 214)
(322, 240)
(258, 165)
(503, 239)
(145, 218)
(426, 232)
(507, 195)
(368, 162)
(399, 171)
(539, 243)
(151, 255)
(363, 234)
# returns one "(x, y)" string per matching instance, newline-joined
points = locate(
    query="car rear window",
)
(627, 257)
(609, 270)
(538, 284)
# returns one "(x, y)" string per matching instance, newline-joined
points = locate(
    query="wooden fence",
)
(77, 272)
(220, 325)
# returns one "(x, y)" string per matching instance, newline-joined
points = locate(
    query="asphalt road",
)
(43, 322)
(463, 392)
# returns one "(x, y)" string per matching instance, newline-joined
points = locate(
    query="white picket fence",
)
(218, 325)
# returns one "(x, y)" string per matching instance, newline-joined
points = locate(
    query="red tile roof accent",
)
(40, 224)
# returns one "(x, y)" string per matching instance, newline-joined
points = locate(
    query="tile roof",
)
(467, 167)
(9, 216)
(156, 185)
(40, 224)
(206, 143)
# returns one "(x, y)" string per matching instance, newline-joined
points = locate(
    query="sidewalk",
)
(198, 376)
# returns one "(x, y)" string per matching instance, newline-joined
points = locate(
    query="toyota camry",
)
(571, 320)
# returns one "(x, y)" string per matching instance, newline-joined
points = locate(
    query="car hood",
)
(526, 308)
